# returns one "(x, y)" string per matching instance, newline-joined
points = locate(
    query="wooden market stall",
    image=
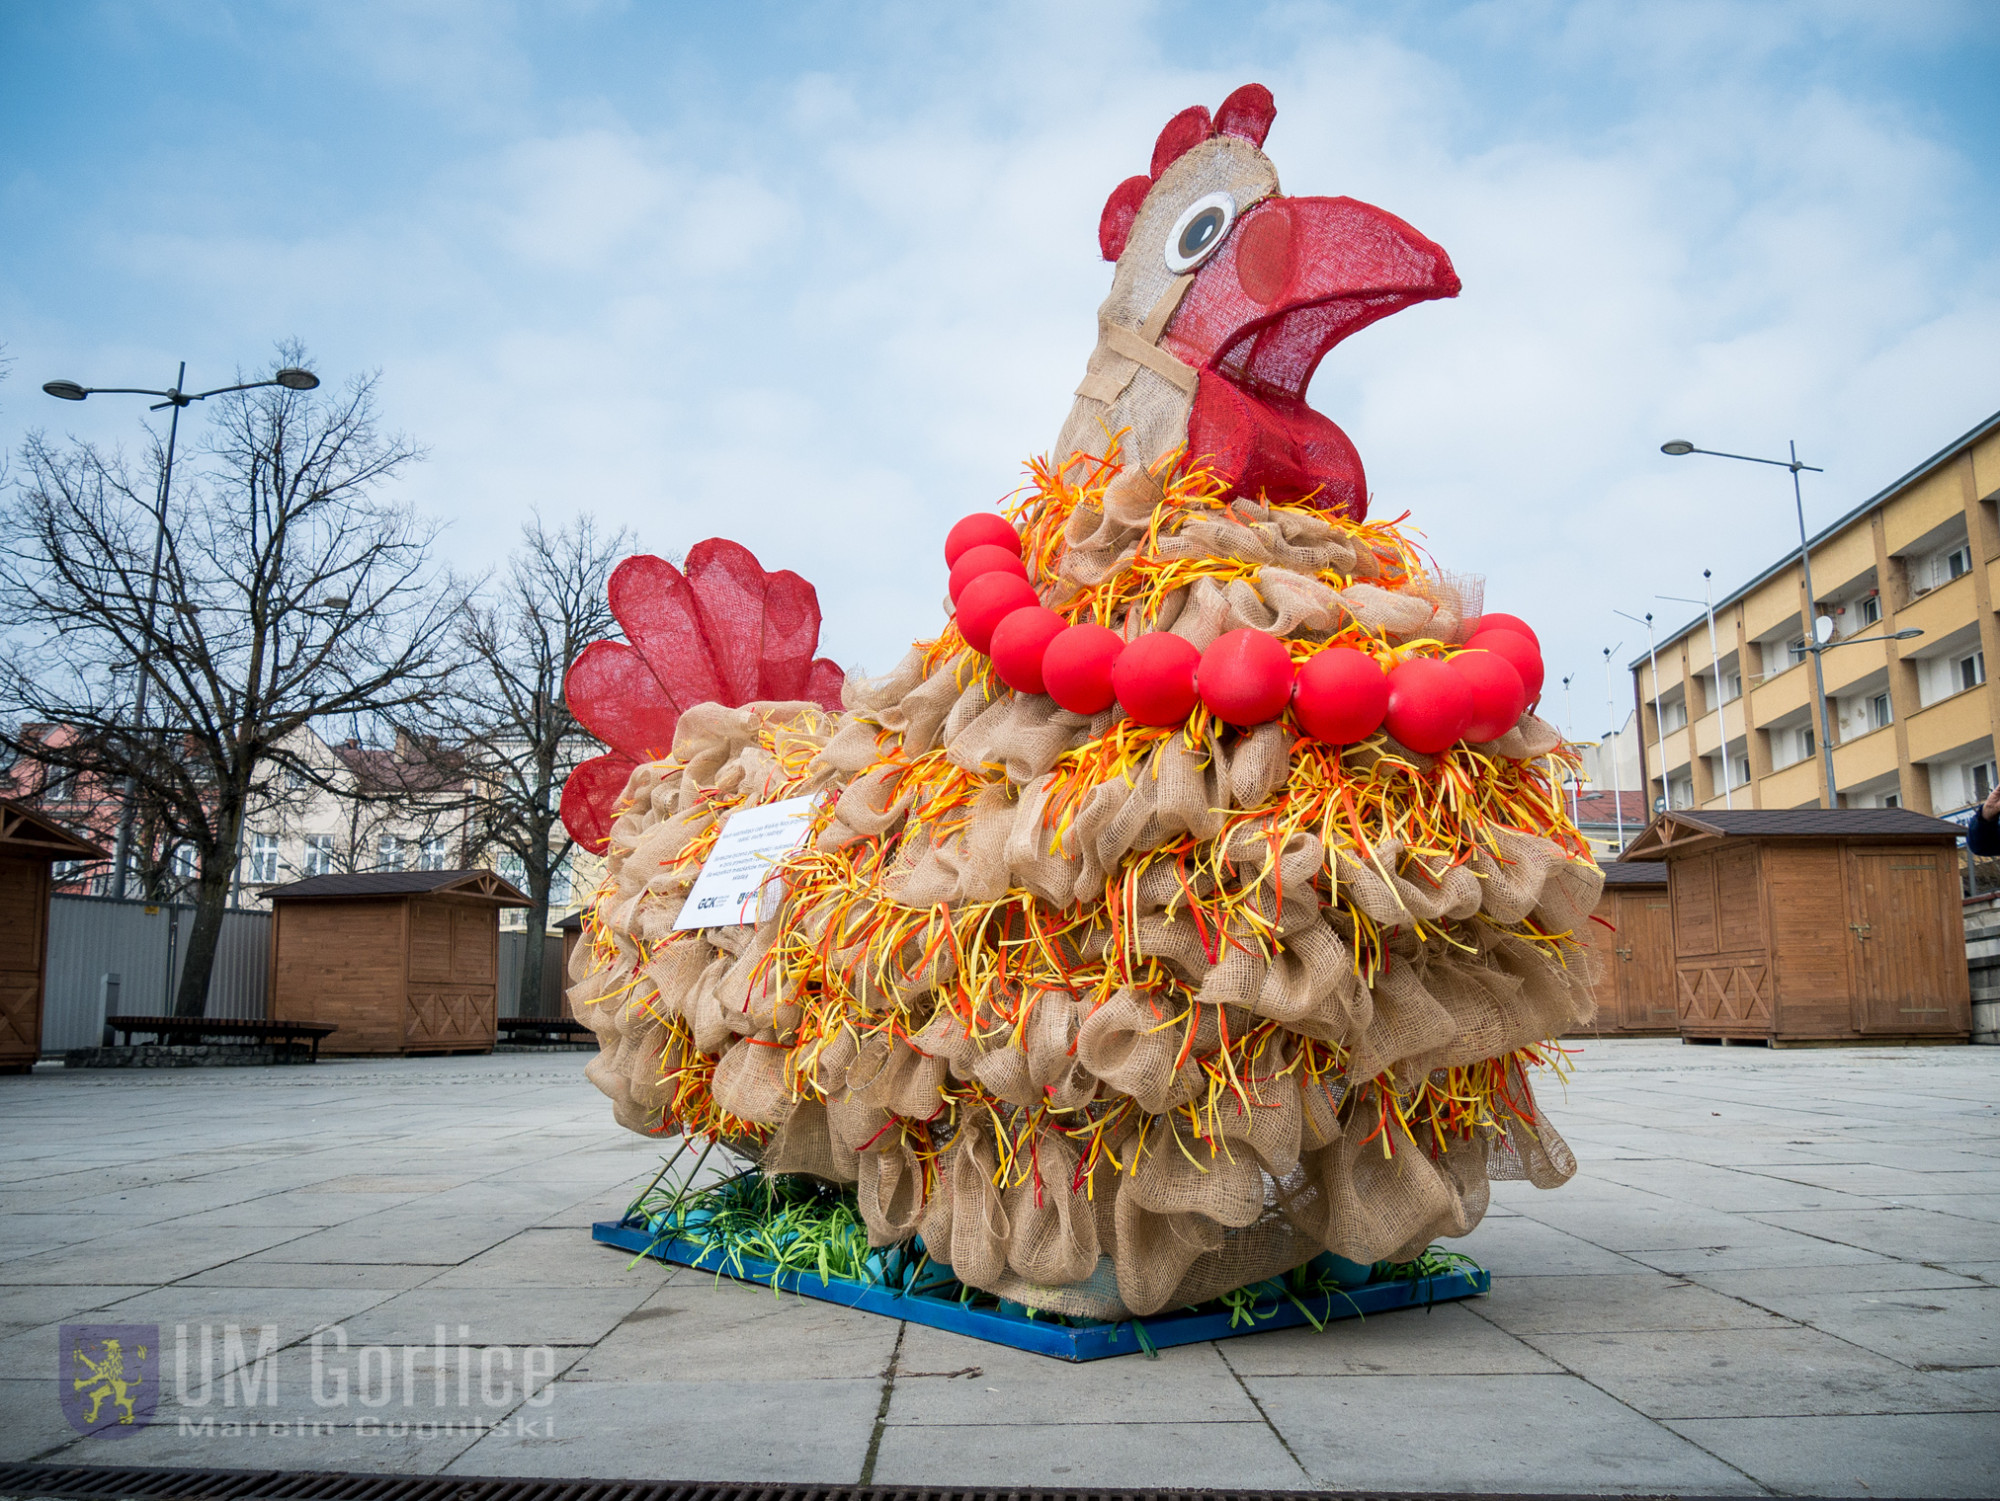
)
(402, 961)
(1807, 925)
(29, 844)
(1632, 942)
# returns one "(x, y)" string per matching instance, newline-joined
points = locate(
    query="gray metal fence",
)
(110, 957)
(513, 954)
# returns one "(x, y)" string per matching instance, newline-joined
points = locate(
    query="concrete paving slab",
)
(1934, 1328)
(1449, 1339)
(694, 1327)
(498, 1316)
(1188, 1384)
(1483, 1433)
(1051, 1456)
(1919, 1454)
(1726, 1372)
(1525, 1247)
(144, 1255)
(1909, 1234)
(721, 1430)
(1622, 1304)
(542, 1257)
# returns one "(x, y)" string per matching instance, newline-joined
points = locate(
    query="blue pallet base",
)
(1064, 1341)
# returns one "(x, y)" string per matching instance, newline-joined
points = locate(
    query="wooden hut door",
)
(24, 921)
(1893, 911)
(1646, 955)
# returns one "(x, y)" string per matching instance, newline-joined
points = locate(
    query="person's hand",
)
(1990, 809)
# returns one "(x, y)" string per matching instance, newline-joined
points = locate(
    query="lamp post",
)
(1707, 603)
(1680, 448)
(292, 379)
(1659, 719)
(1610, 736)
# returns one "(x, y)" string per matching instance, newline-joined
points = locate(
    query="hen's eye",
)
(1198, 231)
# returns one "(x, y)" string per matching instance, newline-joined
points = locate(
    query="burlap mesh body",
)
(1363, 972)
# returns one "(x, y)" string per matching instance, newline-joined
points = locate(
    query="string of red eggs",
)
(1245, 677)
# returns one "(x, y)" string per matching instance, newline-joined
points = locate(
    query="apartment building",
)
(1914, 722)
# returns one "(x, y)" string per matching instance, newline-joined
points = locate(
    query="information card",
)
(726, 892)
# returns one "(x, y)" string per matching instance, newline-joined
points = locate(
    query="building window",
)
(1797, 651)
(1673, 716)
(1879, 713)
(1892, 799)
(1806, 745)
(559, 884)
(1732, 687)
(431, 853)
(1682, 794)
(1870, 610)
(1972, 670)
(263, 859)
(388, 853)
(1982, 778)
(1742, 772)
(185, 864)
(319, 854)
(1957, 563)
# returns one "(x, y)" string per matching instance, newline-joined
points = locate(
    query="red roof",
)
(1606, 807)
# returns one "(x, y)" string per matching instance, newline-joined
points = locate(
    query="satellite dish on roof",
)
(1823, 629)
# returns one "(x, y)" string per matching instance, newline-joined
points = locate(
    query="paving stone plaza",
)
(1774, 1273)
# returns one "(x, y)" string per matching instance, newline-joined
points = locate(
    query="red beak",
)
(1296, 277)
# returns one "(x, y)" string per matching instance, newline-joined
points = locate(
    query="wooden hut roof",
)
(572, 924)
(396, 884)
(1636, 873)
(1680, 832)
(23, 831)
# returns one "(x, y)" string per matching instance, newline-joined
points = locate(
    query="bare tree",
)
(288, 591)
(508, 723)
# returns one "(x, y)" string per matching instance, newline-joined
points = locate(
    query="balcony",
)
(1796, 785)
(1941, 611)
(1865, 758)
(1850, 664)
(1787, 693)
(1950, 723)
(1673, 750)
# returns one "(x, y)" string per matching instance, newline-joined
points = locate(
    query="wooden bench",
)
(194, 1030)
(545, 1029)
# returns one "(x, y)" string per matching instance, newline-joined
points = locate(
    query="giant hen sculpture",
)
(1198, 900)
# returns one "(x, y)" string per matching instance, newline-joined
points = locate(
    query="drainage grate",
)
(117, 1483)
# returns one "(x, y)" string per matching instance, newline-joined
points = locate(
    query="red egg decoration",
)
(988, 600)
(983, 530)
(1525, 656)
(1498, 695)
(984, 559)
(1514, 623)
(1019, 641)
(1154, 678)
(1341, 696)
(1245, 677)
(1076, 668)
(1429, 705)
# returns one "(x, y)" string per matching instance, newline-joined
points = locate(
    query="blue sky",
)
(821, 277)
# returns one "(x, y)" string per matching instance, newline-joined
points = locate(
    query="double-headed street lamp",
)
(1680, 448)
(291, 378)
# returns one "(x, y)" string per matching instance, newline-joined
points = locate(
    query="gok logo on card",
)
(110, 1377)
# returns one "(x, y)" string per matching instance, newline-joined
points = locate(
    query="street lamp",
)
(1659, 719)
(292, 378)
(1680, 448)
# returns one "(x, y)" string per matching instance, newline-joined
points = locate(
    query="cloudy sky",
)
(821, 277)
